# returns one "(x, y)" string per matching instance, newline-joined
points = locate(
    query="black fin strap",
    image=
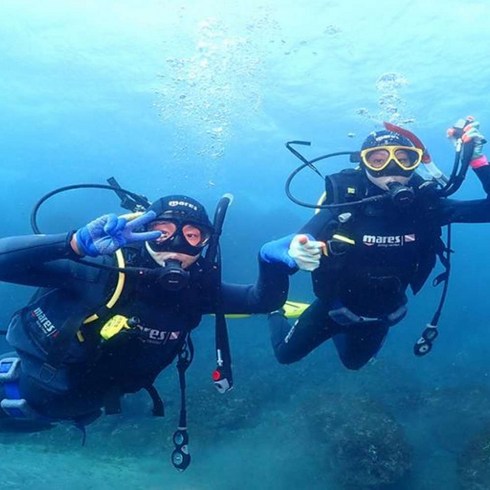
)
(81, 427)
(158, 405)
(443, 276)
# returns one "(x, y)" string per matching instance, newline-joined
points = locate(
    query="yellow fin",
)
(293, 309)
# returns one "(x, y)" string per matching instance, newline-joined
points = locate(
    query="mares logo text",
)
(44, 323)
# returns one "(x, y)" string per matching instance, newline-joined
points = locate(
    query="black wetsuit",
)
(67, 368)
(361, 285)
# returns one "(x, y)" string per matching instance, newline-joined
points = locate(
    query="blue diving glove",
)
(276, 252)
(106, 234)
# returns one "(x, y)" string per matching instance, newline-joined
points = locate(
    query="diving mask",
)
(179, 236)
(378, 158)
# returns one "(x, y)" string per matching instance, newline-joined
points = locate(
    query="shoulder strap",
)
(343, 186)
(121, 279)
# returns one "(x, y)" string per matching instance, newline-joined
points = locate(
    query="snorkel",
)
(462, 156)
(429, 165)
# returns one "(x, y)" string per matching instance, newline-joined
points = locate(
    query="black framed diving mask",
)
(179, 236)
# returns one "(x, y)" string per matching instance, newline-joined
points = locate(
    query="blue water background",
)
(199, 97)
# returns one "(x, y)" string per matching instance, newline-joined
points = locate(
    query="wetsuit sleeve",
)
(269, 293)
(38, 260)
(452, 211)
(271, 290)
(475, 211)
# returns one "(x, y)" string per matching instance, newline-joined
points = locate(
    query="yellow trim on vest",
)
(90, 319)
(121, 279)
(344, 239)
(320, 201)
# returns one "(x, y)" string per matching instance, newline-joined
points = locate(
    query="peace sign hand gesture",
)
(110, 232)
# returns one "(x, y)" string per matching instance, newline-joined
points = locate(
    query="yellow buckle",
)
(113, 326)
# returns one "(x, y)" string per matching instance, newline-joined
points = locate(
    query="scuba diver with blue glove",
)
(115, 304)
(376, 232)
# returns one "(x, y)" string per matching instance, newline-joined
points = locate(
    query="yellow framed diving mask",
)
(379, 157)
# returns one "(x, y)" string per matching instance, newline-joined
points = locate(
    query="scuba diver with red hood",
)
(377, 232)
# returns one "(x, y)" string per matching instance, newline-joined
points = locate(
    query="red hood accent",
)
(426, 158)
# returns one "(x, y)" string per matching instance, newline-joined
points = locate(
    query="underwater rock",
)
(233, 412)
(365, 446)
(474, 463)
(467, 416)
(214, 412)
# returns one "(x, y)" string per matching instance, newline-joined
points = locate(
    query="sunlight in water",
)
(217, 87)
